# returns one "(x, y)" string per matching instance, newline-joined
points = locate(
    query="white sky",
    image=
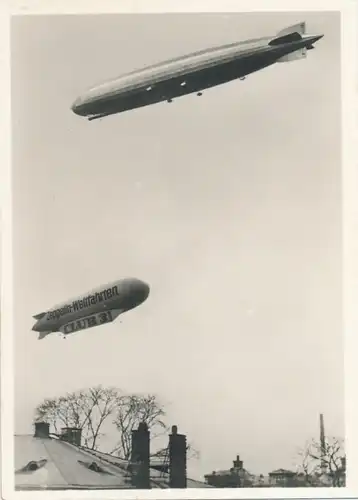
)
(229, 206)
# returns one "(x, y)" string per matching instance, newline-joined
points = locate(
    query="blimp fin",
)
(298, 54)
(296, 28)
(42, 335)
(39, 316)
(291, 34)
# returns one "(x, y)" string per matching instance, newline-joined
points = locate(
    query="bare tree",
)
(102, 404)
(85, 409)
(130, 412)
(49, 411)
(319, 462)
(191, 452)
(89, 409)
(308, 468)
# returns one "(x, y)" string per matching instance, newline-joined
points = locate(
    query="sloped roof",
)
(158, 479)
(281, 472)
(66, 466)
(62, 465)
(229, 472)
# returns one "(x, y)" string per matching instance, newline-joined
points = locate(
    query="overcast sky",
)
(228, 205)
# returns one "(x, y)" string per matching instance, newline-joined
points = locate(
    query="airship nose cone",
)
(141, 290)
(76, 106)
(145, 289)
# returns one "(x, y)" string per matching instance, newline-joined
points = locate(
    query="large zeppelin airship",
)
(193, 73)
(97, 307)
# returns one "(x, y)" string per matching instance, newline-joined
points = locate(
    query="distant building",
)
(46, 461)
(260, 481)
(320, 475)
(281, 477)
(236, 477)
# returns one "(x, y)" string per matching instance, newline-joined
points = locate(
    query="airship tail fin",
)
(39, 316)
(42, 335)
(298, 54)
(296, 28)
(291, 34)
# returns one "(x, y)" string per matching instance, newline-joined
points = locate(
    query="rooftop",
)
(51, 463)
(280, 472)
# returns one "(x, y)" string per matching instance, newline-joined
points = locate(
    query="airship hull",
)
(195, 81)
(97, 307)
(192, 73)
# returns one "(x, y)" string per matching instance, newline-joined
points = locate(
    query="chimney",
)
(42, 430)
(177, 459)
(322, 438)
(71, 435)
(140, 457)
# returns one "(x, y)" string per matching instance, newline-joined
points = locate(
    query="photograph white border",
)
(349, 14)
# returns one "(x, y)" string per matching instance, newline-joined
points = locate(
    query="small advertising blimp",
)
(194, 72)
(97, 307)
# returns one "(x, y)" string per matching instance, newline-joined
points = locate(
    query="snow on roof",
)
(47, 463)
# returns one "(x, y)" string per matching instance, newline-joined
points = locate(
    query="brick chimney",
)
(177, 459)
(140, 457)
(71, 435)
(42, 430)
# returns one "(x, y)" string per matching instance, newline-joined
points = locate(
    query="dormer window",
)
(93, 466)
(32, 466)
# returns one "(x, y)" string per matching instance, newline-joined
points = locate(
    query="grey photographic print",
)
(177, 253)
